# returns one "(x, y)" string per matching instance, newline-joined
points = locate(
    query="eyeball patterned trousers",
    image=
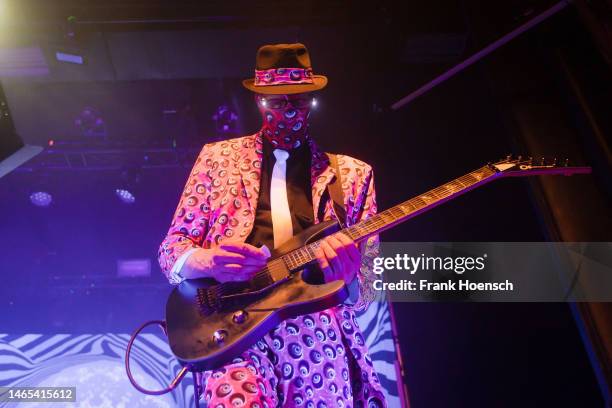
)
(309, 361)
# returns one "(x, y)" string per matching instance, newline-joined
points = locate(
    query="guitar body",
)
(207, 341)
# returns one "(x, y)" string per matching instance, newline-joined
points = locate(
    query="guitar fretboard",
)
(397, 214)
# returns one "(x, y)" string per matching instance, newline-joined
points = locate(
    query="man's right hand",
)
(227, 262)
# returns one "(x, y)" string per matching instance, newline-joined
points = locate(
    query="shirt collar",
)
(300, 154)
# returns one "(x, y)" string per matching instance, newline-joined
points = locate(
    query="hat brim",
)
(320, 82)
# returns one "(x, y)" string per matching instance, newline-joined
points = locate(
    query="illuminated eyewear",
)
(276, 102)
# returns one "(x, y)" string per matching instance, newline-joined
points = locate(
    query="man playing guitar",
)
(252, 193)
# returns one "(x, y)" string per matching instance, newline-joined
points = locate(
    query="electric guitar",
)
(209, 323)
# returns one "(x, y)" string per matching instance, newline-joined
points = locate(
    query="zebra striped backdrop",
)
(94, 364)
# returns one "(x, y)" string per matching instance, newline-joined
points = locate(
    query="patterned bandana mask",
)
(285, 128)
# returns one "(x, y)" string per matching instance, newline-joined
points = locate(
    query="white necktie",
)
(281, 217)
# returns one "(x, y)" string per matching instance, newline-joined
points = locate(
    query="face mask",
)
(285, 127)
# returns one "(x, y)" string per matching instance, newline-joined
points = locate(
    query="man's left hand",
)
(338, 258)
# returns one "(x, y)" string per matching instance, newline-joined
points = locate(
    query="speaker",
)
(13, 152)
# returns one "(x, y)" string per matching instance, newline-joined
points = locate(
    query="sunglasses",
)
(280, 102)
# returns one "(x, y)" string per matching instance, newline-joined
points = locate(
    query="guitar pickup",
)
(208, 301)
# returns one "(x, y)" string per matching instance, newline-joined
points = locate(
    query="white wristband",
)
(175, 276)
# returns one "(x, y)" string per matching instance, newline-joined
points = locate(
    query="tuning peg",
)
(519, 158)
(566, 163)
(509, 157)
(530, 160)
(542, 161)
(554, 162)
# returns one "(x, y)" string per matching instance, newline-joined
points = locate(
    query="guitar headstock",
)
(519, 166)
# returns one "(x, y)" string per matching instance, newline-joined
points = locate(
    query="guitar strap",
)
(335, 192)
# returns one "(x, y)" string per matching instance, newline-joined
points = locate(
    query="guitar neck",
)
(398, 214)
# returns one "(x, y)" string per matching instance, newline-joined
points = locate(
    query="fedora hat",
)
(284, 69)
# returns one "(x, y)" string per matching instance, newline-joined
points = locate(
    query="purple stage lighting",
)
(225, 120)
(133, 268)
(41, 199)
(90, 123)
(125, 196)
(71, 58)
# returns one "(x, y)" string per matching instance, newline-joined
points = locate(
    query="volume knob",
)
(219, 336)
(240, 316)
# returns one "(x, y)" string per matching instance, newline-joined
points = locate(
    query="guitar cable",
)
(175, 382)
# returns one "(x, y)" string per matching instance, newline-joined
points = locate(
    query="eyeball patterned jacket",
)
(219, 203)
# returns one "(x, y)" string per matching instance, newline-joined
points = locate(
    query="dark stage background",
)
(155, 87)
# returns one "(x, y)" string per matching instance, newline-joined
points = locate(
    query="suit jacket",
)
(220, 199)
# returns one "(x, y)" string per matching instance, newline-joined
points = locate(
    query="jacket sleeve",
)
(190, 222)
(364, 208)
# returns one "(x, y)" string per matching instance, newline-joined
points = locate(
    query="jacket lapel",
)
(321, 174)
(249, 168)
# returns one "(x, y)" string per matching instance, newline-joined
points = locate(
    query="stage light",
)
(69, 49)
(90, 123)
(41, 199)
(314, 102)
(125, 196)
(133, 268)
(226, 121)
(71, 58)
(4, 10)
